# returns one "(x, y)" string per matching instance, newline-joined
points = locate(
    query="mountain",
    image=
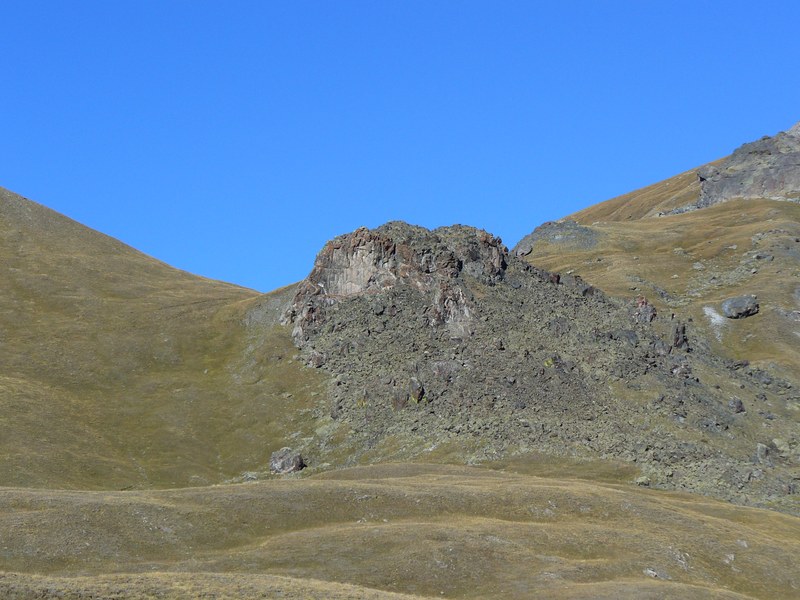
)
(443, 339)
(475, 422)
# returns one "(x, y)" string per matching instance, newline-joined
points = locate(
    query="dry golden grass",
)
(119, 371)
(210, 586)
(662, 197)
(425, 530)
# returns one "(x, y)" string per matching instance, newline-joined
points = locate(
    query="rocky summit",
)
(370, 262)
(444, 337)
(767, 168)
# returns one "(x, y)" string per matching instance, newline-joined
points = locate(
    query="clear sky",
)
(233, 139)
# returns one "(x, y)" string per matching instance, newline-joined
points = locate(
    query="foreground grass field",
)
(420, 530)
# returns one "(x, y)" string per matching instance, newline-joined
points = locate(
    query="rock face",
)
(443, 337)
(371, 263)
(740, 307)
(767, 168)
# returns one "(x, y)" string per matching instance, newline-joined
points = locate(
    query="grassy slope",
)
(662, 197)
(425, 530)
(119, 371)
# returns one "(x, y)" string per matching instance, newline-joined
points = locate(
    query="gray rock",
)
(398, 254)
(782, 447)
(708, 173)
(316, 360)
(399, 398)
(762, 454)
(445, 369)
(285, 461)
(568, 233)
(660, 347)
(766, 168)
(655, 573)
(740, 307)
(643, 311)
(415, 389)
(736, 405)
(626, 335)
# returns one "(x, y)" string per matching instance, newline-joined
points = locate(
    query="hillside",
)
(119, 371)
(442, 343)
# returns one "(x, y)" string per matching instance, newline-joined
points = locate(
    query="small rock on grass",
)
(285, 461)
(740, 307)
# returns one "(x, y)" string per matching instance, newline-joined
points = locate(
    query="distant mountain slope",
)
(651, 201)
(117, 370)
(767, 169)
(697, 239)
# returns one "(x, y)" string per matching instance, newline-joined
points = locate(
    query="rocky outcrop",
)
(437, 337)
(767, 168)
(566, 232)
(285, 461)
(371, 262)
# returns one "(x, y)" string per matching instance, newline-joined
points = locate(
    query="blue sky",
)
(232, 139)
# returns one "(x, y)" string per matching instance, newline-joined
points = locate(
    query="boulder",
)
(736, 405)
(762, 455)
(626, 335)
(643, 311)
(740, 307)
(399, 398)
(285, 461)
